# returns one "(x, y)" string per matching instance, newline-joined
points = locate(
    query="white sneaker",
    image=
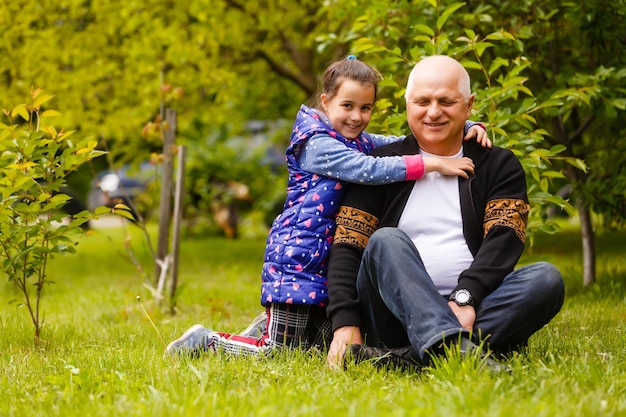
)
(193, 342)
(257, 327)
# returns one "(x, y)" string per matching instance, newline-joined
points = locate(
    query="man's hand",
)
(342, 338)
(466, 315)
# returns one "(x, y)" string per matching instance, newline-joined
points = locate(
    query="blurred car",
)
(122, 186)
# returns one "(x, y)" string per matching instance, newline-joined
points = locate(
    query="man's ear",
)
(470, 104)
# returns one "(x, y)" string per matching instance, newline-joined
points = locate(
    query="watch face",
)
(462, 297)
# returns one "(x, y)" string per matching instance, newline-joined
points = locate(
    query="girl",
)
(328, 148)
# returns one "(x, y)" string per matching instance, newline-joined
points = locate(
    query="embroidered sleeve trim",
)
(507, 212)
(354, 227)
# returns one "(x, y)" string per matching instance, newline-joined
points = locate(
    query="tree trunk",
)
(586, 227)
(165, 204)
(178, 216)
(589, 246)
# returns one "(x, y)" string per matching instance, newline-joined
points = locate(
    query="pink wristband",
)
(414, 167)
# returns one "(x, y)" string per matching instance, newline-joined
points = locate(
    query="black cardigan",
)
(494, 207)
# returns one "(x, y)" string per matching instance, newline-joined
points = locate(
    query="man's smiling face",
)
(437, 108)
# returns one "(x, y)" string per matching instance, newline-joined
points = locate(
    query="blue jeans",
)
(401, 306)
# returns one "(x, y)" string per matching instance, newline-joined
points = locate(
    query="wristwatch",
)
(462, 298)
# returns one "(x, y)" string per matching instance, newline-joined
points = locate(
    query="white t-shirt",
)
(432, 219)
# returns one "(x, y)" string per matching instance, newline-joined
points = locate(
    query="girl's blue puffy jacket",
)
(296, 254)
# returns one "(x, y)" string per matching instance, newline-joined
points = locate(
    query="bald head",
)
(439, 67)
(438, 102)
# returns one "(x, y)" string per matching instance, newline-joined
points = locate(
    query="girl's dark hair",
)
(345, 69)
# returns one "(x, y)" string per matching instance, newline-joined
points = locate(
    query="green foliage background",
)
(548, 79)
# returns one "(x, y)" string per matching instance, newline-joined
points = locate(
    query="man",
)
(421, 265)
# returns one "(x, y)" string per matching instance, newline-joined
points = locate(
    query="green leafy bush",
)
(36, 159)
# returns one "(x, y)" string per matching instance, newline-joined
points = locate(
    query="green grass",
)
(101, 355)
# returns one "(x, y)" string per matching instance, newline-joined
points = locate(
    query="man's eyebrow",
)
(440, 98)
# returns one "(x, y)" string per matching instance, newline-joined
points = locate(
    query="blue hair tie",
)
(350, 58)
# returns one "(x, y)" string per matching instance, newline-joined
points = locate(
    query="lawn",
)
(102, 356)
